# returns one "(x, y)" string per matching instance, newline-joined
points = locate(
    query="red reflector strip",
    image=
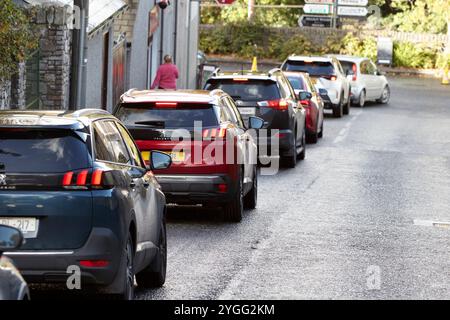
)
(222, 188)
(67, 180)
(82, 177)
(97, 178)
(94, 263)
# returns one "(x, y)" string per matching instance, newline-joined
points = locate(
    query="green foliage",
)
(408, 54)
(355, 46)
(15, 37)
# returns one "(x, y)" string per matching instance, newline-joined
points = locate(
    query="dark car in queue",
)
(209, 120)
(12, 284)
(77, 187)
(313, 103)
(268, 95)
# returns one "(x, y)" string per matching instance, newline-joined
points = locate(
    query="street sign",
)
(385, 49)
(315, 21)
(361, 3)
(317, 8)
(225, 1)
(352, 11)
(320, 1)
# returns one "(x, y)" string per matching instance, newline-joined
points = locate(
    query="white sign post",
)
(317, 8)
(352, 11)
(360, 3)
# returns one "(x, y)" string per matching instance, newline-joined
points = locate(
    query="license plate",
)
(247, 111)
(176, 156)
(28, 226)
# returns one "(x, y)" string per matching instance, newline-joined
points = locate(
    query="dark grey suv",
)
(271, 97)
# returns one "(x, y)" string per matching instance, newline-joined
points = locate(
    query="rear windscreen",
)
(182, 117)
(251, 90)
(297, 83)
(41, 151)
(313, 68)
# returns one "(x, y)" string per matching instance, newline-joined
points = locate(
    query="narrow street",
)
(347, 211)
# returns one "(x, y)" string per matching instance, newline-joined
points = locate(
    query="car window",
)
(364, 67)
(247, 90)
(314, 68)
(339, 66)
(348, 67)
(290, 93)
(109, 145)
(297, 83)
(310, 85)
(135, 154)
(370, 68)
(42, 151)
(236, 114)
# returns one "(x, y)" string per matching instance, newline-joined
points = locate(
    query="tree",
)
(15, 37)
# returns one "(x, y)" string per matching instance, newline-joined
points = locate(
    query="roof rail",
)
(88, 111)
(271, 72)
(130, 92)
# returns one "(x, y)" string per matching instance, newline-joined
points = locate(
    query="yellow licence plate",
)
(176, 156)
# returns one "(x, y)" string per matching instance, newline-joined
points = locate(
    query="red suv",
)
(214, 152)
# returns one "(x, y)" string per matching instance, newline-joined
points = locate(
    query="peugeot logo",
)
(2, 179)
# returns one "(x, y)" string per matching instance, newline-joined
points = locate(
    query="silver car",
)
(367, 82)
(12, 285)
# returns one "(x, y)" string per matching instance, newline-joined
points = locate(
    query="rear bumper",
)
(54, 266)
(196, 189)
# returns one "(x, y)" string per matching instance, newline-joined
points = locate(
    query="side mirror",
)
(10, 238)
(255, 123)
(304, 95)
(323, 92)
(160, 160)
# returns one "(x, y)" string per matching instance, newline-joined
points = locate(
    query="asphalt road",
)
(341, 224)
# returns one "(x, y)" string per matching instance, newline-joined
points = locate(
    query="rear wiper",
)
(153, 124)
(236, 97)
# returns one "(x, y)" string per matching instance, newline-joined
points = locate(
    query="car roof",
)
(296, 74)
(309, 58)
(52, 118)
(200, 96)
(349, 58)
(246, 74)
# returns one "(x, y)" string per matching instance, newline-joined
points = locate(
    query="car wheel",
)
(155, 274)
(127, 269)
(385, 96)
(234, 209)
(347, 106)
(321, 130)
(251, 198)
(338, 108)
(302, 154)
(362, 99)
(291, 160)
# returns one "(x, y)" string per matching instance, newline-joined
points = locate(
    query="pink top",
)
(166, 77)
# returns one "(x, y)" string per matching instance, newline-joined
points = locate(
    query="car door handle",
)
(133, 184)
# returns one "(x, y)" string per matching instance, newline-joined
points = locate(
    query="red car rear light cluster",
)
(79, 180)
(279, 104)
(355, 77)
(214, 133)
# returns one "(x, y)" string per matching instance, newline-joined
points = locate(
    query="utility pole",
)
(335, 16)
(251, 10)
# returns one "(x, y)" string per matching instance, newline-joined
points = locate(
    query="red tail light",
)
(275, 104)
(165, 105)
(333, 78)
(94, 263)
(306, 103)
(212, 134)
(83, 179)
(355, 77)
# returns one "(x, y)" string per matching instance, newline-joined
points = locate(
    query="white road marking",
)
(344, 131)
(431, 223)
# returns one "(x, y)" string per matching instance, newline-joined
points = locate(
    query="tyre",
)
(338, 109)
(302, 155)
(127, 271)
(291, 160)
(385, 96)
(347, 106)
(234, 209)
(154, 276)
(251, 198)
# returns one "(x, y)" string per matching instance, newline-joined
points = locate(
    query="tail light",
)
(355, 77)
(306, 103)
(84, 179)
(94, 263)
(333, 78)
(275, 104)
(166, 105)
(214, 133)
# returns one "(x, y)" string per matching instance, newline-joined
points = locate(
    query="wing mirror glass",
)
(255, 123)
(159, 161)
(10, 238)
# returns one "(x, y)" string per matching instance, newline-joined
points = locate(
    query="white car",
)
(326, 73)
(367, 82)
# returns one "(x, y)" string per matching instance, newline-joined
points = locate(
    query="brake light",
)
(275, 104)
(240, 79)
(67, 180)
(355, 77)
(333, 78)
(96, 179)
(94, 263)
(211, 134)
(82, 180)
(306, 103)
(163, 105)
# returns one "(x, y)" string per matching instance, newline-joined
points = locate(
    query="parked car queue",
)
(90, 190)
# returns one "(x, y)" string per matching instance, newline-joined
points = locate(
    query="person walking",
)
(167, 75)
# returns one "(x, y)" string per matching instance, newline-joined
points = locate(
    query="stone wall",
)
(125, 24)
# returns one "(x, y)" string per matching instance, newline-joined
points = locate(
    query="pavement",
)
(352, 221)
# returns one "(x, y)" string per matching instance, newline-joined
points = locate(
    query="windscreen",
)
(41, 151)
(347, 66)
(297, 83)
(247, 90)
(315, 69)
